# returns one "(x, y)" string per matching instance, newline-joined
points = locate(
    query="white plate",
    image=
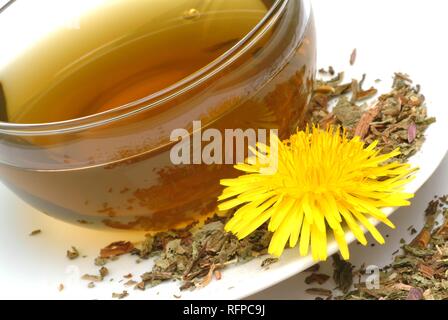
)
(387, 40)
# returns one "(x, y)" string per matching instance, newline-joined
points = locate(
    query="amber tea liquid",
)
(120, 174)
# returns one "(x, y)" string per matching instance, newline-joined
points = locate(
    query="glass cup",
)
(115, 168)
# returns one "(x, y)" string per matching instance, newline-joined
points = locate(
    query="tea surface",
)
(119, 52)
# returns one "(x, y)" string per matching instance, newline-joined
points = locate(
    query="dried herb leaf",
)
(421, 271)
(92, 278)
(35, 232)
(318, 278)
(319, 292)
(269, 261)
(121, 295)
(116, 249)
(73, 253)
(353, 57)
(343, 273)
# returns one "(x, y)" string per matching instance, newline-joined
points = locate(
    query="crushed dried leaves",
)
(420, 272)
(102, 273)
(396, 119)
(116, 249)
(35, 232)
(73, 253)
(121, 295)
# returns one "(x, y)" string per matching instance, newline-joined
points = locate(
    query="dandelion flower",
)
(324, 182)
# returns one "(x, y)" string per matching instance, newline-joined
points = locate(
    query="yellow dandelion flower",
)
(323, 182)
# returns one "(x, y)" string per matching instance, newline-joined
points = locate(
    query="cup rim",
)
(157, 98)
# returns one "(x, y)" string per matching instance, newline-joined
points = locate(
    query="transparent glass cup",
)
(114, 168)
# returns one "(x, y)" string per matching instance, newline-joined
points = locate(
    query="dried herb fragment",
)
(269, 261)
(415, 294)
(318, 278)
(330, 71)
(121, 295)
(353, 57)
(397, 119)
(420, 272)
(35, 232)
(92, 278)
(116, 249)
(319, 292)
(343, 273)
(218, 275)
(102, 273)
(195, 255)
(130, 283)
(73, 253)
(100, 262)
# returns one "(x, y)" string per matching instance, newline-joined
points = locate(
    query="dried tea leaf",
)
(318, 278)
(366, 94)
(146, 248)
(194, 256)
(347, 113)
(421, 271)
(330, 71)
(342, 273)
(415, 294)
(104, 272)
(422, 240)
(412, 132)
(353, 57)
(269, 261)
(130, 283)
(100, 262)
(92, 278)
(362, 128)
(325, 89)
(35, 232)
(121, 295)
(397, 119)
(116, 249)
(207, 279)
(319, 292)
(73, 253)
(218, 275)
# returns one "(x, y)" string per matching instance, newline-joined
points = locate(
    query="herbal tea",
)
(140, 60)
(101, 64)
